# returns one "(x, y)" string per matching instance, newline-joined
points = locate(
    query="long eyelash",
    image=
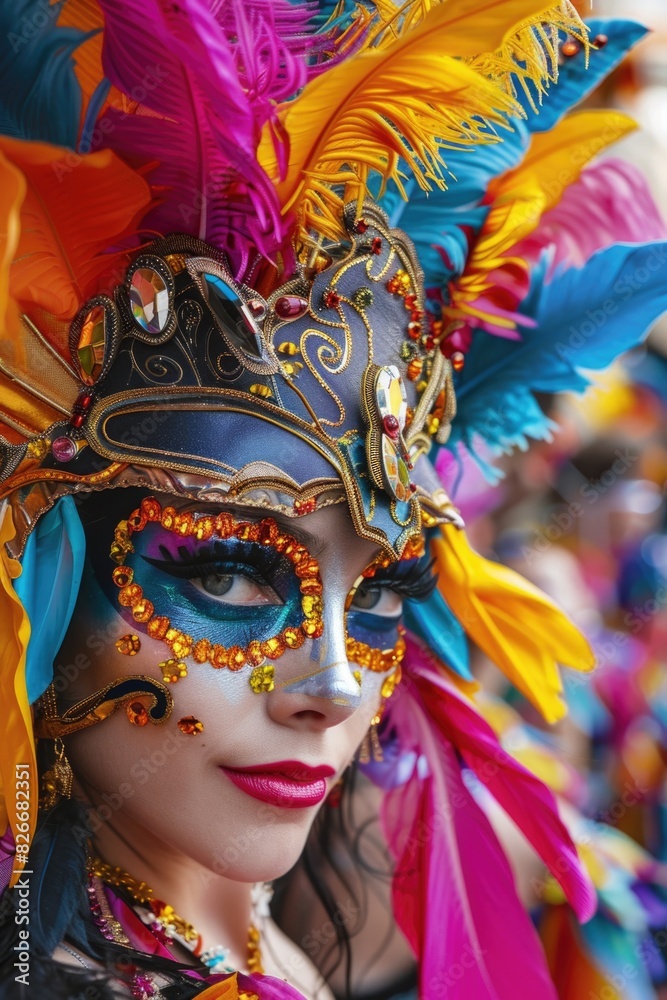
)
(260, 561)
(414, 582)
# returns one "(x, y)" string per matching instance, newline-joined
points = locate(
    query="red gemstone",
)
(85, 400)
(600, 41)
(291, 306)
(414, 331)
(390, 425)
(360, 226)
(77, 419)
(410, 301)
(376, 245)
(413, 488)
(416, 315)
(331, 299)
(429, 343)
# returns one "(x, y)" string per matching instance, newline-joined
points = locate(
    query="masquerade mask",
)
(235, 593)
(327, 391)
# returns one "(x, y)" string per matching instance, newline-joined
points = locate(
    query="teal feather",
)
(40, 98)
(581, 320)
(434, 622)
(576, 80)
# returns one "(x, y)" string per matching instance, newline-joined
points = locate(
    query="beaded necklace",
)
(166, 925)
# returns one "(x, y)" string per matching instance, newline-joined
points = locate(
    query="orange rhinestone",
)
(190, 726)
(183, 524)
(458, 361)
(151, 509)
(224, 525)
(311, 586)
(254, 653)
(268, 531)
(128, 645)
(204, 527)
(142, 610)
(312, 606)
(247, 531)
(130, 594)
(137, 714)
(280, 542)
(308, 568)
(312, 628)
(201, 651)
(218, 657)
(182, 646)
(415, 369)
(168, 517)
(414, 331)
(237, 657)
(122, 576)
(302, 507)
(294, 637)
(137, 520)
(274, 647)
(158, 627)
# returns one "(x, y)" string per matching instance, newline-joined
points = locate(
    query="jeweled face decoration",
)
(235, 594)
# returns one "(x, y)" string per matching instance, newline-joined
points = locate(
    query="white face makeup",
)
(206, 795)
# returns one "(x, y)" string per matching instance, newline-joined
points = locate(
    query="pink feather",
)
(454, 893)
(613, 198)
(206, 80)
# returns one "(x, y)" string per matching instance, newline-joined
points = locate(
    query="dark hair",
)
(60, 907)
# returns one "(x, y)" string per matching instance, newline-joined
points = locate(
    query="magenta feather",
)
(206, 80)
(449, 862)
(614, 199)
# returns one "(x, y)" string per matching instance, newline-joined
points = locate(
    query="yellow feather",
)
(517, 626)
(520, 198)
(18, 744)
(401, 101)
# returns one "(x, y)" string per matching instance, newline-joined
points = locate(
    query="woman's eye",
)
(379, 600)
(235, 588)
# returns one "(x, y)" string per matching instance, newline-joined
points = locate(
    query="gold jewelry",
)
(224, 525)
(104, 703)
(57, 781)
(165, 915)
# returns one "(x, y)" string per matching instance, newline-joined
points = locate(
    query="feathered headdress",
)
(205, 179)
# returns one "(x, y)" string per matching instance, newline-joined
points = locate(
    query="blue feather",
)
(40, 98)
(575, 80)
(440, 218)
(95, 105)
(434, 622)
(581, 320)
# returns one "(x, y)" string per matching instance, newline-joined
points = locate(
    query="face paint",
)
(374, 609)
(227, 592)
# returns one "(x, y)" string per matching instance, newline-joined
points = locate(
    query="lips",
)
(285, 783)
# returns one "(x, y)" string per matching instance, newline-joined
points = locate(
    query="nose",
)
(320, 690)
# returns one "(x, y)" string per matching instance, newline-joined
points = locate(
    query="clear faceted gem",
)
(396, 472)
(240, 330)
(149, 297)
(390, 394)
(90, 349)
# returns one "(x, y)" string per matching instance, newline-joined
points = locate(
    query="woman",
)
(220, 504)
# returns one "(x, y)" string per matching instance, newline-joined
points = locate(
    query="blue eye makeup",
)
(374, 616)
(227, 592)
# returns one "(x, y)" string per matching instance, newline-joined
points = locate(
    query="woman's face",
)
(203, 794)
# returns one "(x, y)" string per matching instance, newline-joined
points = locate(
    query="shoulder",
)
(285, 960)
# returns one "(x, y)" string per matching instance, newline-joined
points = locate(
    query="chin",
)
(260, 853)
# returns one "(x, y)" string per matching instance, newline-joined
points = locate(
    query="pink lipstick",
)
(285, 783)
